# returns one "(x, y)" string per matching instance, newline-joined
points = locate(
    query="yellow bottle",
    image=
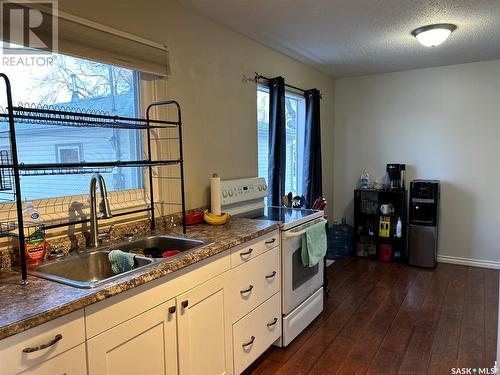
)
(385, 226)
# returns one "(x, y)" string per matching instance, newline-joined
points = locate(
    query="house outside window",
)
(79, 85)
(295, 122)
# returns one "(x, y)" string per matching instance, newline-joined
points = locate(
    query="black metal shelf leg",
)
(17, 182)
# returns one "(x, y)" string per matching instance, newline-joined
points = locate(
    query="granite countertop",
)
(24, 307)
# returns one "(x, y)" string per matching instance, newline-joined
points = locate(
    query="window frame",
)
(300, 132)
(57, 209)
(69, 146)
(301, 114)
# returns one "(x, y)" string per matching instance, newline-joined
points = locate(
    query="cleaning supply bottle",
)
(34, 234)
(399, 228)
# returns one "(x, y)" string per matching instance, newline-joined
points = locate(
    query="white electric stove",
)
(301, 286)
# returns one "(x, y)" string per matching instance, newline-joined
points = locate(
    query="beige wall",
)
(219, 110)
(444, 123)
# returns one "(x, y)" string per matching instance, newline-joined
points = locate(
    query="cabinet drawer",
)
(72, 362)
(254, 282)
(249, 250)
(60, 335)
(256, 332)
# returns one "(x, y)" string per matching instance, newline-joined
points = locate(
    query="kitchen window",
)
(80, 85)
(69, 153)
(295, 123)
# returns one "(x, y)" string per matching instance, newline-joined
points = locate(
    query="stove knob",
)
(224, 193)
(264, 187)
(260, 187)
(230, 193)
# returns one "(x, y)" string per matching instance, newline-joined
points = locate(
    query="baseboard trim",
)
(468, 262)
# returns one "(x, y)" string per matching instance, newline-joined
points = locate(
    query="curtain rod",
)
(260, 76)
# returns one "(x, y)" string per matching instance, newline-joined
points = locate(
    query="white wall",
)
(208, 61)
(444, 123)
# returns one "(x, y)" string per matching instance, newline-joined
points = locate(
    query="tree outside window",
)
(79, 85)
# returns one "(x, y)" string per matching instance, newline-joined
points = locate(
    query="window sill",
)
(70, 209)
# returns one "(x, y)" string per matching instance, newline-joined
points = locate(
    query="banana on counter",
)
(212, 219)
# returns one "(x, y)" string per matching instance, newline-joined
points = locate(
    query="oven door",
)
(298, 281)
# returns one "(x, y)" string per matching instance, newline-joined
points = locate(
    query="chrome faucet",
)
(104, 207)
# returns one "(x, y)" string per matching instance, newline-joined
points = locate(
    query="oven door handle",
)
(299, 233)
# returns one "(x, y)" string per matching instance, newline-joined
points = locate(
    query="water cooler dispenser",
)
(423, 228)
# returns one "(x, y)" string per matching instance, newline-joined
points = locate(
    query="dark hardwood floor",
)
(387, 318)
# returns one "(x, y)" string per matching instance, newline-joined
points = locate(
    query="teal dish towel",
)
(121, 261)
(314, 244)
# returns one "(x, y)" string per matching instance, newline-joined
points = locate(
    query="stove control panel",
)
(242, 190)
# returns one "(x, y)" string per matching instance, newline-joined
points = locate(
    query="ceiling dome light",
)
(433, 35)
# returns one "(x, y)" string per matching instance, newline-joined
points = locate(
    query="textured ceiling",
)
(357, 37)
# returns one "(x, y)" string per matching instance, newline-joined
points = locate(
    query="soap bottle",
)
(35, 245)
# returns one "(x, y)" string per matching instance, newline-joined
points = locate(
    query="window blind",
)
(87, 39)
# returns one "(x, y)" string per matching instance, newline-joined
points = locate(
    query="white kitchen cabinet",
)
(146, 344)
(194, 327)
(256, 332)
(204, 329)
(71, 362)
(248, 251)
(187, 323)
(40, 348)
(254, 282)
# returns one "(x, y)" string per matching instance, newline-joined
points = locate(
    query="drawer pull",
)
(248, 252)
(271, 241)
(43, 346)
(171, 309)
(247, 290)
(245, 345)
(270, 324)
(185, 304)
(271, 275)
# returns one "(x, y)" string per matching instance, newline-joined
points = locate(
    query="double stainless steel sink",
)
(91, 267)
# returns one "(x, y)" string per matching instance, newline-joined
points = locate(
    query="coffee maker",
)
(396, 173)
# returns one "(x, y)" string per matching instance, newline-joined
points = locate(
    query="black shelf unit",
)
(11, 169)
(367, 215)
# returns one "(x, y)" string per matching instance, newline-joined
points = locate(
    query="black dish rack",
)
(11, 169)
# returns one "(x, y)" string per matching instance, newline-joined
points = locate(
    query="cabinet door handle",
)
(270, 324)
(172, 309)
(245, 253)
(272, 240)
(185, 304)
(43, 346)
(246, 344)
(271, 275)
(247, 290)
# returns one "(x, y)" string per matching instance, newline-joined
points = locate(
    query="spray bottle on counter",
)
(34, 234)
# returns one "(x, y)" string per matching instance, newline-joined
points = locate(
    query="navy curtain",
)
(277, 141)
(312, 184)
